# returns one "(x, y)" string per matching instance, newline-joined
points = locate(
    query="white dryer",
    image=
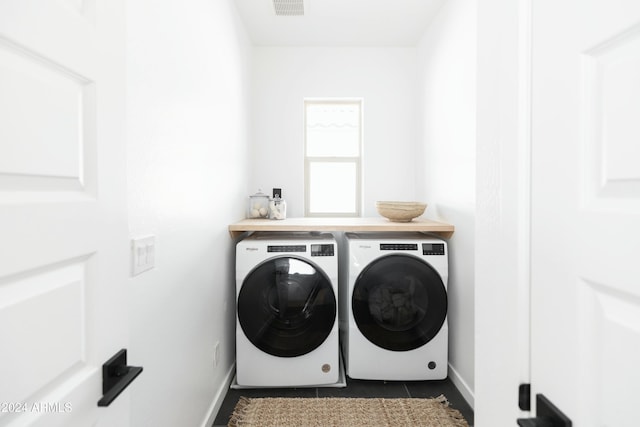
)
(393, 306)
(286, 300)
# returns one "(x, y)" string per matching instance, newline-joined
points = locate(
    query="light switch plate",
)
(143, 254)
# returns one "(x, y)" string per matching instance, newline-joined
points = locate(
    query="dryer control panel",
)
(433, 249)
(427, 248)
(398, 246)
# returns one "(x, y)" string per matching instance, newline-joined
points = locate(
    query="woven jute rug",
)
(345, 412)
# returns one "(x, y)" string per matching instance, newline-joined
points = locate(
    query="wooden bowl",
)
(400, 211)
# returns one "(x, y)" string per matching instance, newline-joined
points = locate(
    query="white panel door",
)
(585, 285)
(63, 232)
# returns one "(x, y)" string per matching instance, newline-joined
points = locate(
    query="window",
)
(333, 145)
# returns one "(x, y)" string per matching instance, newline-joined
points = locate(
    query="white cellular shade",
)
(333, 130)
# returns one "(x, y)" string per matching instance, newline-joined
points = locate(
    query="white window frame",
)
(355, 160)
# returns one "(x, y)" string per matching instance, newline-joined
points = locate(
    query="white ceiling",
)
(339, 22)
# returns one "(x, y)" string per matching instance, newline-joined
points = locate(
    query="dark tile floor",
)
(355, 388)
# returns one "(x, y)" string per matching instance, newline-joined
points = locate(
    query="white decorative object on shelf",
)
(258, 206)
(277, 208)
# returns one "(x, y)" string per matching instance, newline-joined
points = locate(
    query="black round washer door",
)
(399, 302)
(286, 307)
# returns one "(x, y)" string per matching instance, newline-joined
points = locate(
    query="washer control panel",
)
(323, 250)
(327, 249)
(287, 248)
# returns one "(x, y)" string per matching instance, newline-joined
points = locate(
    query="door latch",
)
(547, 415)
(116, 376)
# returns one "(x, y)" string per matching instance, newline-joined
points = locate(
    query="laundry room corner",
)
(446, 165)
(187, 125)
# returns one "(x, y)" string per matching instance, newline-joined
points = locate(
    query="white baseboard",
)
(462, 386)
(219, 398)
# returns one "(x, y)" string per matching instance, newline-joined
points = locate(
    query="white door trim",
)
(503, 210)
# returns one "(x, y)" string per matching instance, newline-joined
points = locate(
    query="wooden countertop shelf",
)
(340, 224)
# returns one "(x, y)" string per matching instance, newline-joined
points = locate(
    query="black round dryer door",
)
(399, 302)
(286, 306)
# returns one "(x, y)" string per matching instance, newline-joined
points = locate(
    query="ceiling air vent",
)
(288, 7)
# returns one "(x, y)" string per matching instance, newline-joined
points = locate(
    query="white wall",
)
(188, 121)
(446, 164)
(194, 81)
(384, 77)
(419, 144)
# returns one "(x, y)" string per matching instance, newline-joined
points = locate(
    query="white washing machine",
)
(393, 306)
(287, 310)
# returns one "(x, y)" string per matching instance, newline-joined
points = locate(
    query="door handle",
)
(547, 415)
(535, 422)
(116, 376)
